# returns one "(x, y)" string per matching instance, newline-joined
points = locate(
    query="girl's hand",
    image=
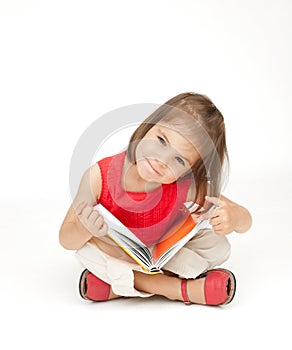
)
(224, 218)
(91, 219)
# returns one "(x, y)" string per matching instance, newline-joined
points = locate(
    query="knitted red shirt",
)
(146, 214)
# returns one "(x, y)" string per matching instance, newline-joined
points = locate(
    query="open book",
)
(153, 258)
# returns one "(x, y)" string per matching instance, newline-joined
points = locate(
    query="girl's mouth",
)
(151, 166)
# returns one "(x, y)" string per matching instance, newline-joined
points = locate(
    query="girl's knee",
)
(222, 251)
(216, 253)
(210, 246)
(224, 244)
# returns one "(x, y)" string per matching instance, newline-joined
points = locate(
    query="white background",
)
(65, 63)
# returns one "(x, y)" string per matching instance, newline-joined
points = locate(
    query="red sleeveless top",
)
(146, 214)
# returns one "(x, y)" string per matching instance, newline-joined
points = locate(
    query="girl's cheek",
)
(173, 175)
(176, 171)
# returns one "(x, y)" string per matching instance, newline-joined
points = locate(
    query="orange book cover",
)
(152, 259)
(174, 236)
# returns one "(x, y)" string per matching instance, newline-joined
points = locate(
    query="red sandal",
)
(220, 286)
(93, 288)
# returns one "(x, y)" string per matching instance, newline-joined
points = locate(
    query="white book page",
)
(117, 225)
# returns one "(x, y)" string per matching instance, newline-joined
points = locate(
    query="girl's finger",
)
(219, 232)
(93, 216)
(214, 200)
(206, 216)
(215, 221)
(103, 230)
(99, 221)
(86, 212)
(80, 206)
(210, 214)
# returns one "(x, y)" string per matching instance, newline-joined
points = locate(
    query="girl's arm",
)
(82, 222)
(228, 217)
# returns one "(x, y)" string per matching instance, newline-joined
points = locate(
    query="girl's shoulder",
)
(112, 161)
(90, 185)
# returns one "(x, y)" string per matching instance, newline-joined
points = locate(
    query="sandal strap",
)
(184, 292)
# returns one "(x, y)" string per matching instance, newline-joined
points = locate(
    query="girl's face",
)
(164, 155)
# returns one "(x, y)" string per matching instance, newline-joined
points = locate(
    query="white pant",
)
(205, 251)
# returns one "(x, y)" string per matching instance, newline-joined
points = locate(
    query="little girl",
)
(173, 163)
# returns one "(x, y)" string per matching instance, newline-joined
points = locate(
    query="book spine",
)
(133, 256)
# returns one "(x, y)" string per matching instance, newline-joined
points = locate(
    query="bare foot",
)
(112, 295)
(195, 290)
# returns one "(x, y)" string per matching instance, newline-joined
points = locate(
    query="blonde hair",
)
(204, 127)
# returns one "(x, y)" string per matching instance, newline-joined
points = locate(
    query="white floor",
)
(40, 306)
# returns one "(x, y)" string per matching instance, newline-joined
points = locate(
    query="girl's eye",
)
(161, 140)
(180, 161)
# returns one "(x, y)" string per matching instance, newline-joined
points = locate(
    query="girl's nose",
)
(159, 164)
